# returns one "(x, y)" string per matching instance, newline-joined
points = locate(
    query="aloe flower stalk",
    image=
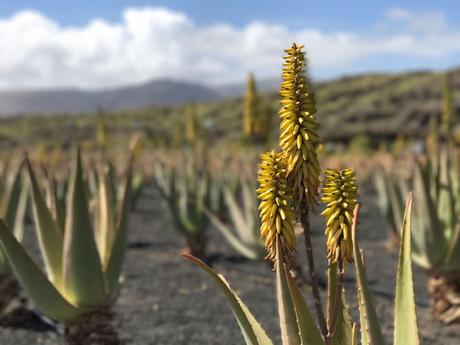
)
(251, 111)
(340, 193)
(275, 209)
(299, 142)
(298, 138)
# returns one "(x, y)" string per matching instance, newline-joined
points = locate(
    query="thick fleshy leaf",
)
(11, 195)
(21, 210)
(371, 334)
(354, 335)
(83, 278)
(239, 217)
(308, 330)
(428, 240)
(249, 251)
(344, 329)
(253, 333)
(106, 208)
(405, 327)
(117, 251)
(48, 232)
(37, 286)
(288, 318)
(343, 325)
(55, 202)
(452, 259)
(446, 199)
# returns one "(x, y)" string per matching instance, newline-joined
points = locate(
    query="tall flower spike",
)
(298, 138)
(340, 193)
(275, 210)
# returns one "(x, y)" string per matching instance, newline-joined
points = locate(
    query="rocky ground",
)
(167, 301)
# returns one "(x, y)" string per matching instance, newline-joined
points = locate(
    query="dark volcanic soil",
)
(167, 301)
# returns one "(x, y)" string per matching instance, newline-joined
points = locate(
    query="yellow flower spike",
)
(298, 127)
(340, 193)
(275, 210)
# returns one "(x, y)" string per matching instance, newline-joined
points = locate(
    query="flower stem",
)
(332, 323)
(311, 268)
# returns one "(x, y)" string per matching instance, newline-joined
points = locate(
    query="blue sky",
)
(102, 43)
(326, 15)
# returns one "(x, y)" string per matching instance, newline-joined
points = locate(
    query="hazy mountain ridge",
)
(158, 92)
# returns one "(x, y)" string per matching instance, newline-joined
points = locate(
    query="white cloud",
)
(160, 43)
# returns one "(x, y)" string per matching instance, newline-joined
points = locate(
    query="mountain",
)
(158, 92)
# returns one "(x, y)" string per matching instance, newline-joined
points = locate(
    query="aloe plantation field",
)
(280, 211)
(164, 298)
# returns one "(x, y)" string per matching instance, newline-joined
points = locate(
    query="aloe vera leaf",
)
(371, 333)
(287, 314)
(253, 333)
(48, 232)
(37, 286)
(405, 323)
(83, 278)
(117, 252)
(308, 330)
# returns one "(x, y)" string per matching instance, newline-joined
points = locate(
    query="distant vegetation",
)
(380, 106)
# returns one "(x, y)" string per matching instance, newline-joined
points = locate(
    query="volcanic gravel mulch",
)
(166, 300)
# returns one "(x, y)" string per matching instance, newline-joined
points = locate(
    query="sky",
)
(102, 44)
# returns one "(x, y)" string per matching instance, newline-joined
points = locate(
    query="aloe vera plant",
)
(185, 195)
(296, 321)
(83, 262)
(436, 234)
(436, 241)
(137, 188)
(242, 230)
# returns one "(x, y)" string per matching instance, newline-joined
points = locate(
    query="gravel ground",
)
(167, 301)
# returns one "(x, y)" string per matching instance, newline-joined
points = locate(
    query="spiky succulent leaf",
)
(405, 324)
(287, 314)
(55, 199)
(343, 327)
(446, 201)
(21, 209)
(106, 208)
(11, 195)
(371, 334)
(253, 333)
(429, 244)
(117, 251)
(48, 232)
(247, 250)
(83, 278)
(452, 260)
(37, 286)
(308, 330)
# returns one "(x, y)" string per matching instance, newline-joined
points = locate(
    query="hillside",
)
(380, 105)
